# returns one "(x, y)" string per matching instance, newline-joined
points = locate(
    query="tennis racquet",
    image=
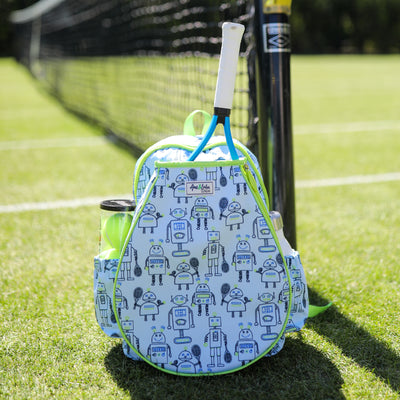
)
(194, 262)
(137, 294)
(196, 351)
(225, 289)
(222, 180)
(223, 204)
(231, 37)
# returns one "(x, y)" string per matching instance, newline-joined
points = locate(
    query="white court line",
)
(349, 127)
(91, 201)
(348, 180)
(52, 143)
(54, 205)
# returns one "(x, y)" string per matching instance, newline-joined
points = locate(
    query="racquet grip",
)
(231, 37)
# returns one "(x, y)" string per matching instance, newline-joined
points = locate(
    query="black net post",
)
(275, 143)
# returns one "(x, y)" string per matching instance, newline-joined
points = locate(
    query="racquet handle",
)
(231, 37)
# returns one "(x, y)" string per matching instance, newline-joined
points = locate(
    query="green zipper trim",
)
(199, 164)
(263, 208)
(265, 213)
(137, 213)
(136, 218)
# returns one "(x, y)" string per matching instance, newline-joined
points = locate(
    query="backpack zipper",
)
(265, 213)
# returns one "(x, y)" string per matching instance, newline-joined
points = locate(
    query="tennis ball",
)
(115, 230)
(109, 254)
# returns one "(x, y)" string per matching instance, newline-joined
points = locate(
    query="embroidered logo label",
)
(199, 188)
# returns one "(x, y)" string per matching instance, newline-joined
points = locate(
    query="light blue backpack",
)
(205, 282)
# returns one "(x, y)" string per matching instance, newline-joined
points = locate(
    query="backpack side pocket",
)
(103, 285)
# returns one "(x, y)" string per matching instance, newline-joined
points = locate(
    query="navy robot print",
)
(159, 351)
(212, 175)
(120, 301)
(284, 295)
(156, 263)
(268, 315)
(232, 212)
(183, 275)
(236, 303)
(201, 211)
(203, 297)
(149, 218)
(186, 363)
(213, 252)
(179, 188)
(299, 292)
(144, 177)
(211, 291)
(180, 318)
(243, 259)
(270, 273)
(103, 305)
(214, 340)
(127, 265)
(149, 306)
(246, 348)
(238, 179)
(161, 183)
(179, 231)
(128, 328)
(262, 232)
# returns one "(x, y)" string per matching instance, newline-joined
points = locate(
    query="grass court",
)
(56, 168)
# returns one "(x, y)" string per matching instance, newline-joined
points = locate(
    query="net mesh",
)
(138, 67)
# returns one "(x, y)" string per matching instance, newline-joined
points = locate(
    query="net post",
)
(275, 142)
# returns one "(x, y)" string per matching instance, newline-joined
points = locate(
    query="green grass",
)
(345, 89)
(51, 346)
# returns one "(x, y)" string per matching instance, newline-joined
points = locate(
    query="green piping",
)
(134, 223)
(263, 208)
(265, 213)
(199, 164)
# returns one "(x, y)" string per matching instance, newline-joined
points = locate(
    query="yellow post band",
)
(277, 6)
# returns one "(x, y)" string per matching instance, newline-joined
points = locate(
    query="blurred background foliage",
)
(345, 26)
(318, 26)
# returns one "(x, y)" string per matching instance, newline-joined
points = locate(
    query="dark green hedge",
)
(318, 26)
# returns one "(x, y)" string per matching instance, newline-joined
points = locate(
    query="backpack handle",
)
(188, 126)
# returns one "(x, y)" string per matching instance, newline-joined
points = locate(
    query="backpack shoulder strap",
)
(313, 311)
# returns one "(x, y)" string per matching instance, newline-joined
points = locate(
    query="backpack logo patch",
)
(200, 188)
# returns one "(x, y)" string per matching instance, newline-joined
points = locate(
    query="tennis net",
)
(137, 68)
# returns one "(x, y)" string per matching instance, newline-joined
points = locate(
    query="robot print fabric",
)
(205, 283)
(215, 291)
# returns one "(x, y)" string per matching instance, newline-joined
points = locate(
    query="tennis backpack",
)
(205, 282)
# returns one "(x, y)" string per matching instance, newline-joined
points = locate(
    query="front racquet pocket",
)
(214, 293)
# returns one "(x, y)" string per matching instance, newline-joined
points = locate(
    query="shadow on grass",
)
(356, 343)
(299, 371)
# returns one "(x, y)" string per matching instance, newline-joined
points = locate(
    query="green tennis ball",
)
(109, 254)
(115, 230)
